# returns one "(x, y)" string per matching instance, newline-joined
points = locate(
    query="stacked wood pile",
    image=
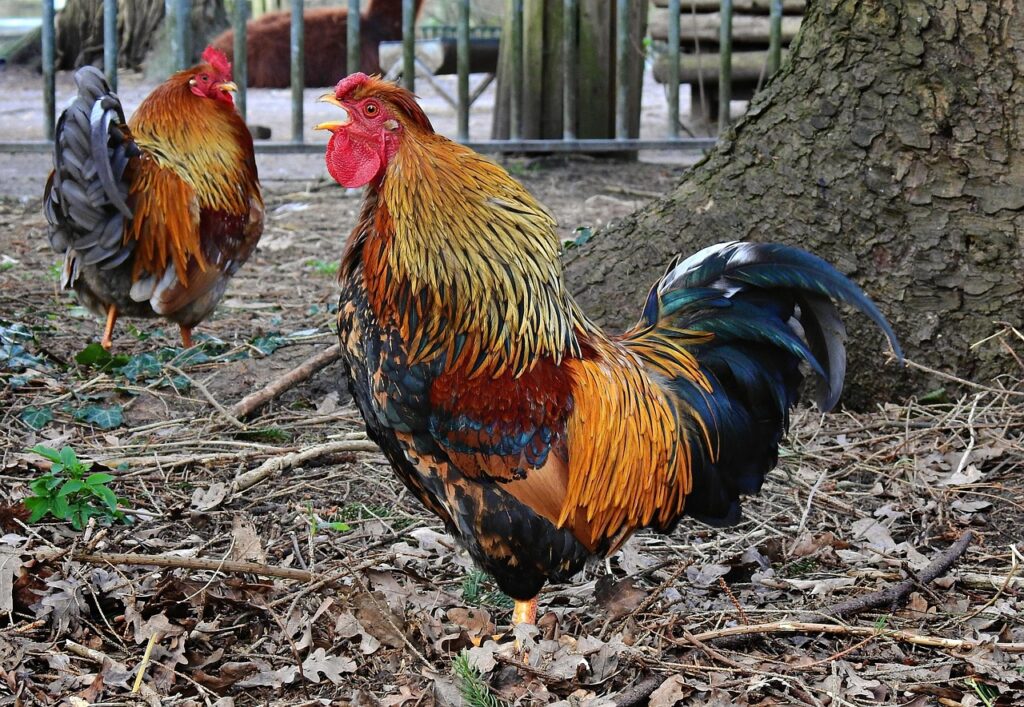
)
(699, 37)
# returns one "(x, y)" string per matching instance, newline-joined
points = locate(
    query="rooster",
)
(538, 439)
(154, 215)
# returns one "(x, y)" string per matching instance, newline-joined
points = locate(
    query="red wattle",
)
(352, 163)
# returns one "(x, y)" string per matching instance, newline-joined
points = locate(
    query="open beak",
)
(333, 125)
(227, 86)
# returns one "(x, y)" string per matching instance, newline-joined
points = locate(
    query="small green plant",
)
(324, 267)
(471, 685)
(986, 693)
(316, 524)
(68, 492)
(477, 590)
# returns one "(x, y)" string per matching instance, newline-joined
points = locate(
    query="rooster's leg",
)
(525, 612)
(186, 336)
(108, 330)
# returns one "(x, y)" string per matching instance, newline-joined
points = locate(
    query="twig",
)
(709, 651)
(192, 563)
(86, 652)
(897, 594)
(961, 381)
(274, 465)
(639, 693)
(958, 644)
(209, 396)
(145, 661)
(252, 402)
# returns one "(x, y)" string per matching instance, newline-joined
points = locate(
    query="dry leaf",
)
(332, 666)
(209, 498)
(618, 599)
(245, 544)
(10, 563)
(670, 692)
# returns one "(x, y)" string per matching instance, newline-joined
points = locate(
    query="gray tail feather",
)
(86, 200)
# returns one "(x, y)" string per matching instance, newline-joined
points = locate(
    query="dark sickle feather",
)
(100, 129)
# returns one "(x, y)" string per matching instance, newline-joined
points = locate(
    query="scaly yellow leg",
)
(186, 336)
(108, 330)
(525, 612)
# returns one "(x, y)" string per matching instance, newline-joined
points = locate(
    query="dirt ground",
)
(353, 593)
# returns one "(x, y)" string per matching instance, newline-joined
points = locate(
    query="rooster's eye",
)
(204, 78)
(370, 109)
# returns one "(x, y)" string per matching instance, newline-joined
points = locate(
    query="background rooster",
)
(538, 439)
(154, 216)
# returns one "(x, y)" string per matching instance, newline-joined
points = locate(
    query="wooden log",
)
(755, 7)
(746, 29)
(747, 67)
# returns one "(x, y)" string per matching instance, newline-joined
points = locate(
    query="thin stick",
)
(252, 402)
(895, 595)
(192, 563)
(145, 662)
(956, 644)
(961, 381)
(277, 464)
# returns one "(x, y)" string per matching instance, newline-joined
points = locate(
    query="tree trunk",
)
(79, 39)
(890, 145)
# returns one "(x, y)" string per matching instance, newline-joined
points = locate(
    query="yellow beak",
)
(333, 125)
(227, 86)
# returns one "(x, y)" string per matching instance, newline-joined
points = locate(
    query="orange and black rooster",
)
(155, 215)
(538, 439)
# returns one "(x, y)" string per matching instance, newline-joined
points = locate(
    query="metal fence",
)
(178, 14)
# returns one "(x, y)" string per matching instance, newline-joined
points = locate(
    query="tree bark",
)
(79, 39)
(889, 144)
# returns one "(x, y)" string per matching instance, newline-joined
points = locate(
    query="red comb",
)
(348, 84)
(216, 59)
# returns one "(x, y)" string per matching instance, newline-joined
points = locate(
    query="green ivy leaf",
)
(37, 418)
(141, 367)
(96, 356)
(268, 344)
(98, 478)
(106, 418)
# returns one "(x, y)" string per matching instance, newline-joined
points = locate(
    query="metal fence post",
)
(49, 84)
(570, 28)
(462, 62)
(515, 130)
(725, 70)
(775, 37)
(622, 69)
(354, 64)
(110, 42)
(298, 50)
(673, 67)
(409, 44)
(241, 52)
(182, 34)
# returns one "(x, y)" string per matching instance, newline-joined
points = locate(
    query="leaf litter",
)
(372, 603)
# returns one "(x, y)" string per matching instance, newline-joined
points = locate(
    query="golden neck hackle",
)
(202, 140)
(466, 261)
